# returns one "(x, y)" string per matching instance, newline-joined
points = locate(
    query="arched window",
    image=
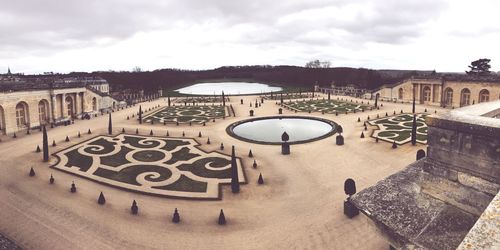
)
(465, 97)
(43, 112)
(400, 93)
(448, 96)
(94, 104)
(22, 115)
(427, 94)
(69, 106)
(2, 121)
(484, 95)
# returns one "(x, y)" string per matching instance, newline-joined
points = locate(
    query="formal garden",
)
(199, 99)
(187, 114)
(327, 106)
(398, 128)
(171, 167)
(287, 96)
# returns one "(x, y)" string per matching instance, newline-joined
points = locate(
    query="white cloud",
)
(74, 35)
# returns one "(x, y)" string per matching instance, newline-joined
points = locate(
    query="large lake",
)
(269, 130)
(229, 88)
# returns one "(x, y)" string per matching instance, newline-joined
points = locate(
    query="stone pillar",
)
(78, 104)
(83, 101)
(63, 106)
(432, 93)
(53, 103)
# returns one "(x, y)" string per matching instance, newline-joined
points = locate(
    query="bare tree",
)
(318, 64)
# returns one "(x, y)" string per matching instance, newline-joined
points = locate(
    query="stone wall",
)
(438, 88)
(463, 151)
(57, 109)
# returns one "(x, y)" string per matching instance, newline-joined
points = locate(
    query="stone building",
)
(450, 198)
(449, 90)
(31, 101)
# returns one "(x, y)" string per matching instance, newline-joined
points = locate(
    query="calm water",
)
(270, 130)
(229, 88)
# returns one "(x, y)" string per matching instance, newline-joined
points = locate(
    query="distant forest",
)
(287, 76)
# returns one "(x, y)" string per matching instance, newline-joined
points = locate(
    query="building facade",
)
(29, 102)
(442, 90)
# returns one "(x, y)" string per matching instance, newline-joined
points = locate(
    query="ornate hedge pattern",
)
(172, 167)
(327, 106)
(398, 128)
(186, 114)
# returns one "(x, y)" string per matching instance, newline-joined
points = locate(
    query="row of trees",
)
(313, 72)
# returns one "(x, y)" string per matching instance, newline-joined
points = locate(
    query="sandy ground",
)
(299, 207)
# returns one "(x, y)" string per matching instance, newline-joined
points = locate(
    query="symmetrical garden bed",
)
(326, 106)
(186, 114)
(398, 128)
(173, 167)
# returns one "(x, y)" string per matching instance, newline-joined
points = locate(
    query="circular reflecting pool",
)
(268, 130)
(229, 88)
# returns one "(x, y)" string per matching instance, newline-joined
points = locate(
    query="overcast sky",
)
(88, 35)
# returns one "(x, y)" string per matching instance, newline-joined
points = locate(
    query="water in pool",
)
(270, 130)
(229, 88)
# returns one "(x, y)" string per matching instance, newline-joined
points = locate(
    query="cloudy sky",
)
(75, 35)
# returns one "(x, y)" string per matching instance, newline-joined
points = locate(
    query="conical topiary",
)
(51, 179)
(67, 139)
(136, 131)
(89, 132)
(32, 172)
(222, 218)
(101, 200)
(261, 180)
(45, 145)
(208, 140)
(110, 125)
(134, 209)
(38, 150)
(151, 132)
(176, 218)
(359, 119)
(362, 135)
(140, 114)
(123, 130)
(254, 165)
(250, 154)
(53, 143)
(79, 135)
(414, 131)
(235, 184)
(168, 133)
(199, 134)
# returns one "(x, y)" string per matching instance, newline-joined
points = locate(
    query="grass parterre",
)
(398, 128)
(327, 106)
(187, 114)
(173, 167)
